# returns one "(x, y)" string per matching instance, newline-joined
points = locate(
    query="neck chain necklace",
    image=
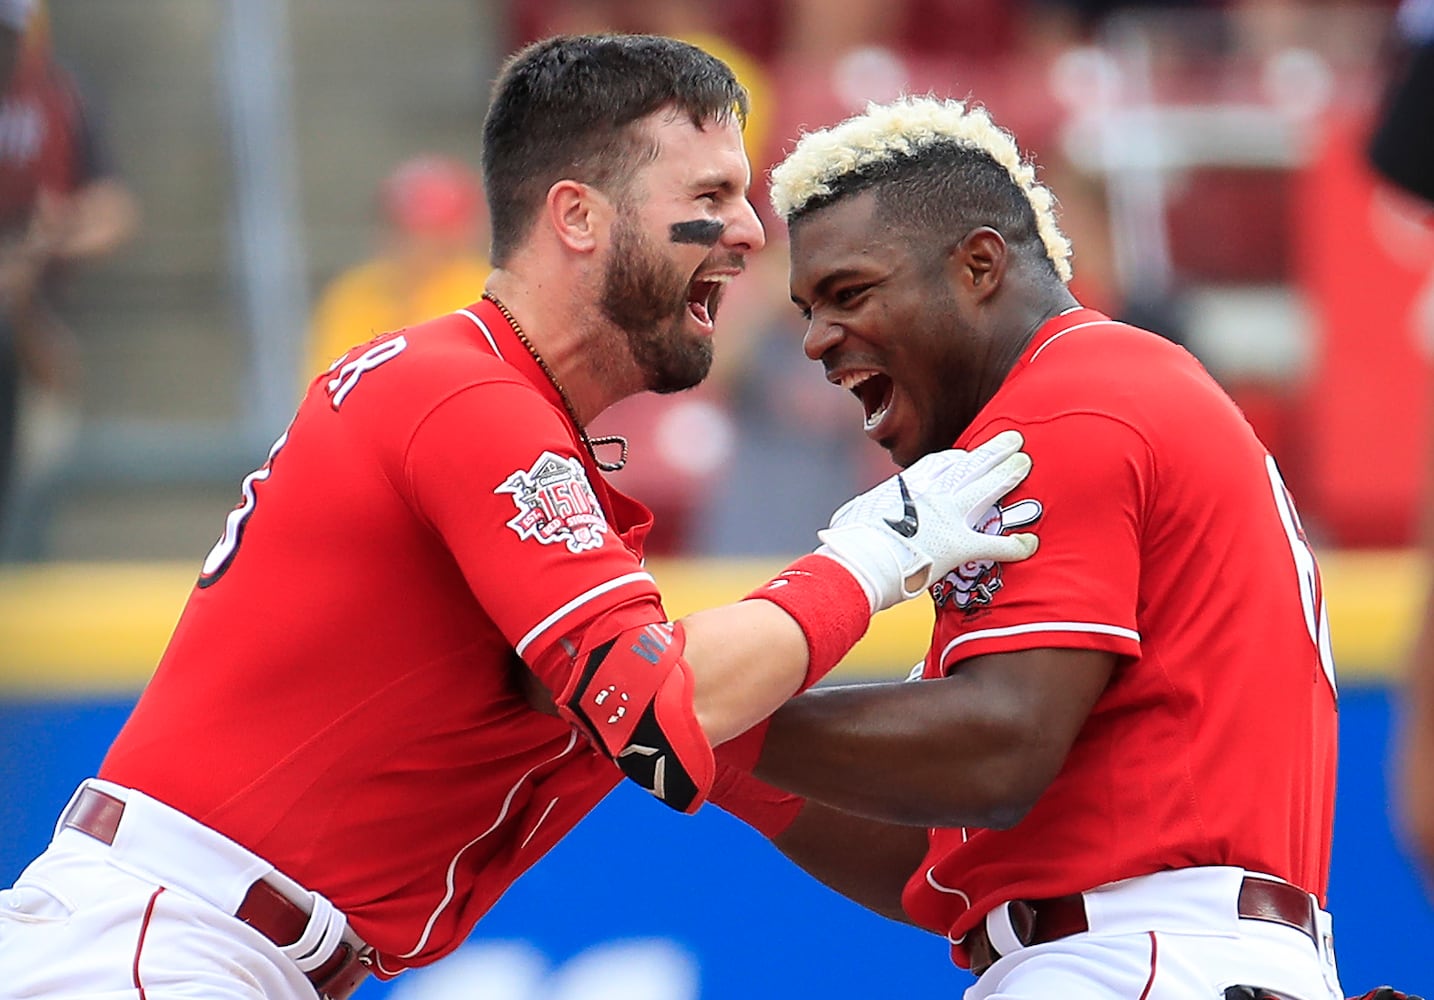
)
(590, 443)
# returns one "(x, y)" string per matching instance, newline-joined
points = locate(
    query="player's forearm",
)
(899, 753)
(747, 659)
(865, 860)
(976, 748)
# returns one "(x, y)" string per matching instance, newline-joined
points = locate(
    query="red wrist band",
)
(766, 809)
(829, 605)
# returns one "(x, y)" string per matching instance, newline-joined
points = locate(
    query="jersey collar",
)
(1064, 322)
(497, 334)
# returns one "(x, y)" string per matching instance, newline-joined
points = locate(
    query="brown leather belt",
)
(264, 908)
(1041, 921)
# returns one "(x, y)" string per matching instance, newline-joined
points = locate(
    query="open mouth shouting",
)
(704, 293)
(874, 389)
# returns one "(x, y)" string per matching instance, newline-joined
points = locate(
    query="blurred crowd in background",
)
(287, 177)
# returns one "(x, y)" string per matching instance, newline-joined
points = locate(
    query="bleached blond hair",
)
(829, 163)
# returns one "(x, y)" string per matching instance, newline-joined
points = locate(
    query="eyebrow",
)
(719, 181)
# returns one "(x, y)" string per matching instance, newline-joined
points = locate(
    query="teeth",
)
(851, 380)
(875, 418)
(714, 279)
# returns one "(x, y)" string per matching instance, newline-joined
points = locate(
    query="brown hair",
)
(566, 108)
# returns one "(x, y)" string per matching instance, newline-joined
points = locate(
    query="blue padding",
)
(710, 891)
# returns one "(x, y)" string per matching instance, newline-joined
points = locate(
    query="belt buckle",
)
(350, 974)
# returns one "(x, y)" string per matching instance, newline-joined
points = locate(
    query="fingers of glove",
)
(952, 469)
(953, 466)
(974, 464)
(976, 497)
(963, 545)
(995, 451)
(1009, 548)
(939, 473)
(929, 471)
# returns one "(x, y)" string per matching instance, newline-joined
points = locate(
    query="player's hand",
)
(903, 535)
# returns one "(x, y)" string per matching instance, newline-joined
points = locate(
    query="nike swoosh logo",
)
(907, 526)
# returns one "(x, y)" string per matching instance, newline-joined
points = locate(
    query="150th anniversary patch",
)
(556, 504)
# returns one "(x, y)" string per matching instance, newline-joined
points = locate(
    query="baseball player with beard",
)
(1113, 774)
(335, 769)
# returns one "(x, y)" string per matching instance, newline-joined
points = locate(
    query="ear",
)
(579, 215)
(979, 262)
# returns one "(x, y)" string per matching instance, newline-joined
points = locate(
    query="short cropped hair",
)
(934, 164)
(565, 108)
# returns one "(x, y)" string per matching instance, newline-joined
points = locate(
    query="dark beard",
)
(645, 296)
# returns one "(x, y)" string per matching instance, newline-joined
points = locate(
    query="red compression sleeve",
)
(829, 605)
(765, 809)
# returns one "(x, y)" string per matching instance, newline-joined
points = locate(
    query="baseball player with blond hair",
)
(1113, 774)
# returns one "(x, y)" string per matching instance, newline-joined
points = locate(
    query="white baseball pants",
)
(1172, 935)
(87, 921)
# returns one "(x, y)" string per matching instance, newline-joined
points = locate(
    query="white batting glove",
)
(903, 535)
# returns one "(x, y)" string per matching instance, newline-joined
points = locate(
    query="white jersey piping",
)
(1069, 329)
(453, 865)
(487, 334)
(541, 819)
(997, 633)
(931, 881)
(581, 599)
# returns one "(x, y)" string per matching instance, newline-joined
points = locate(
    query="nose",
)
(821, 336)
(744, 232)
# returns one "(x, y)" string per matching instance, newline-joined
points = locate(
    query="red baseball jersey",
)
(1167, 538)
(340, 694)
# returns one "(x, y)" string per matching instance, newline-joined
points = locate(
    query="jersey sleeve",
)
(494, 470)
(1084, 500)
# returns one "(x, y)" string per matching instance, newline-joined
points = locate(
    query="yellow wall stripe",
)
(101, 627)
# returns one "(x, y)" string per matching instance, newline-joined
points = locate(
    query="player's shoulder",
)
(448, 349)
(408, 372)
(1108, 343)
(1105, 364)
(1131, 389)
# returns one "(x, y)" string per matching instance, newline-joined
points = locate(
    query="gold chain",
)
(590, 443)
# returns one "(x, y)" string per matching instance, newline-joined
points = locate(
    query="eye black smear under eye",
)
(703, 232)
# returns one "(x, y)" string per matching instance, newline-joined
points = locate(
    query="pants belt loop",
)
(321, 936)
(1001, 931)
